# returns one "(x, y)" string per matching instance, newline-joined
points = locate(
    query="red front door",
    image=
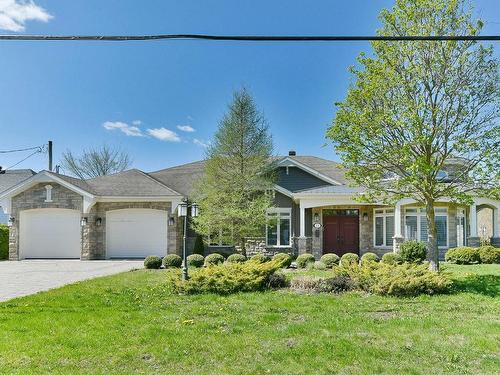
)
(340, 234)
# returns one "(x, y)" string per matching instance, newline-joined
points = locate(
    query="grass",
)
(129, 323)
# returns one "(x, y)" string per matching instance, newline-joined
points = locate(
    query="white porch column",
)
(473, 220)
(496, 222)
(398, 235)
(302, 220)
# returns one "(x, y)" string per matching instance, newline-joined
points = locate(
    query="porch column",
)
(398, 236)
(473, 239)
(302, 240)
(495, 241)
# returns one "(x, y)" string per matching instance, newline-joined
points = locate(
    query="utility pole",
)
(50, 156)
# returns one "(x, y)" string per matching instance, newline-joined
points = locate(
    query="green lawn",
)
(130, 323)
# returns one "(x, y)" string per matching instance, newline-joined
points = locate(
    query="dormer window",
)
(48, 192)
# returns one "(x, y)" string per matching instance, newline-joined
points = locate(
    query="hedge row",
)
(4, 242)
(471, 255)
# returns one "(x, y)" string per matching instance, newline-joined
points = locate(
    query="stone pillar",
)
(473, 239)
(302, 245)
(13, 241)
(398, 237)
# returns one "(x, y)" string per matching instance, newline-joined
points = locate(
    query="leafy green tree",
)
(414, 107)
(238, 173)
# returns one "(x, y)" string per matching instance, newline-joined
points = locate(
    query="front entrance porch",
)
(340, 231)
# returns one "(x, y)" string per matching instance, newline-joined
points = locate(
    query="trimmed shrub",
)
(413, 251)
(330, 260)
(319, 265)
(236, 258)
(462, 255)
(309, 284)
(152, 262)
(369, 257)
(213, 259)
(277, 280)
(195, 260)
(285, 258)
(172, 261)
(349, 259)
(199, 247)
(229, 278)
(260, 258)
(4, 242)
(304, 260)
(489, 254)
(391, 258)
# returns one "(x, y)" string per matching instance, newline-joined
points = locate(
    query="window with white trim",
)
(416, 225)
(278, 227)
(383, 227)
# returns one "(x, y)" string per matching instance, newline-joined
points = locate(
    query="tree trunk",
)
(432, 247)
(243, 249)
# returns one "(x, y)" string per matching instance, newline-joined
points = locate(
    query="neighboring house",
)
(133, 214)
(8, 179)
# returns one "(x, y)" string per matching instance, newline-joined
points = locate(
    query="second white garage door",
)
(136, 233)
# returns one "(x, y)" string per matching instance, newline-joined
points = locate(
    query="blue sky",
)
(143, 96)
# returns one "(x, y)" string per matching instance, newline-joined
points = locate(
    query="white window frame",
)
(386, 212)
(278, 212)
(438, 211)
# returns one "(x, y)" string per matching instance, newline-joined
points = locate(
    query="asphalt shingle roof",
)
(181, 178)
(13, 177)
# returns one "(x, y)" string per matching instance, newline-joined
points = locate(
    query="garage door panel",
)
(50, 233)
(136, 233)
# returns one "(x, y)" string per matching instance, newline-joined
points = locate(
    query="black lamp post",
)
(182, 211)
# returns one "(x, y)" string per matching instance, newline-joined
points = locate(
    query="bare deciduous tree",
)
(94, 162)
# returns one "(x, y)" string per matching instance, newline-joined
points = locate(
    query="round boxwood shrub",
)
(391, 258)
(195, 260)
(462, 255)
(172, 261)
(413, 251)
(260, 258)
(236, 258)
(152, 262)
(489, 254)
(286, 259)
(319, 265)
(304, 260)
(330, 260)
(349, 259)
(214, 259)
(369, 258)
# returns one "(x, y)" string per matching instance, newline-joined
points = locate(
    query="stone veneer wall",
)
(34, 198)
(94, 237)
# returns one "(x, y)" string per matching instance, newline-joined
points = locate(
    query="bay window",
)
(383, 227)
(278, 227)
(416, 225)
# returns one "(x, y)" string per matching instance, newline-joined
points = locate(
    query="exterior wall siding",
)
(297, 179)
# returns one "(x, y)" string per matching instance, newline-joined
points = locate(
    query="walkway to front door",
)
(340, 231)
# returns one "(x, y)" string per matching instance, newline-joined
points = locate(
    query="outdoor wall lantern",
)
(11, 221)
(365, 216)
(84, 221)
(98, 221)
(171, 221)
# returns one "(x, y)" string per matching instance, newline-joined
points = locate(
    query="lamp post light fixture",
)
(11, 221)
(183, 211)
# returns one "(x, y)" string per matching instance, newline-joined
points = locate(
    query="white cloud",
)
(132, 131)
(136, 122)
(200, 143)
(186, 128)
(164, 134)
(15, 13)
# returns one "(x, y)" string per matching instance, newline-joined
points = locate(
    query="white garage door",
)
(136, 233)
(49, 233)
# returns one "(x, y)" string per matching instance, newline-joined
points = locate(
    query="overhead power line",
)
(26, 158)
(250, 38)
(20, 150)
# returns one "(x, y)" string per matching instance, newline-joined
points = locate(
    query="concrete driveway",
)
(32, 276)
